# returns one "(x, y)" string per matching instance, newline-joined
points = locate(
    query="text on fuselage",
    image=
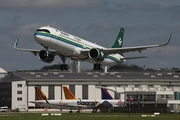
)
(80, 102)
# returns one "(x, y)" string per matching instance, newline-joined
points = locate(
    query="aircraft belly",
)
(64, 48)
(105, 62)
(108, 62)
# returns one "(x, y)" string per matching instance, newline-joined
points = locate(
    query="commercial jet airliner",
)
(65, 45)
(73, 103)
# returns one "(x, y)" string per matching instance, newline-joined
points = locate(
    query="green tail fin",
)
(119, 40)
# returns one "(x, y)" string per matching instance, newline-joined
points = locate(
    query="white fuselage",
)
(80, 104)
(71, 46)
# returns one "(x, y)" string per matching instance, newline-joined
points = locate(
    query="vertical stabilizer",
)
(105, 94)
(119, 40)
(68, 94)
(39, 94)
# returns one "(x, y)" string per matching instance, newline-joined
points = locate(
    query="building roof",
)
(2, 71)
(96, 78)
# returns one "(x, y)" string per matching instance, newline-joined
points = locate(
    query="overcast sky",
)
(145, 22)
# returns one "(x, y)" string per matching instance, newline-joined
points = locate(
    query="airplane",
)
(42, 100)
(105, 96)
(65, 45)
(73, 103)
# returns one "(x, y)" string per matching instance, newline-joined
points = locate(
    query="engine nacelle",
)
(46, 56)
(96, 54)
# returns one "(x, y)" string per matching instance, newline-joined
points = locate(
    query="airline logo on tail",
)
(39, 94)
(119, 40)
(68, 94)
(105, 94)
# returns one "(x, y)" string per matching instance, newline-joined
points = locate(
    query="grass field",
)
(85, 116)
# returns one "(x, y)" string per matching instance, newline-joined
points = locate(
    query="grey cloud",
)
(138, 6)
(147, 28)
(14, 30)
(174, 10)
(97, 30)
(145, 6)
(50, 5)
(26, 30)
(128, 8)
(175, 31)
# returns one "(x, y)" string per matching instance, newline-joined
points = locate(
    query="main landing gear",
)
(63, 66)
(76, 111)
(97, 66)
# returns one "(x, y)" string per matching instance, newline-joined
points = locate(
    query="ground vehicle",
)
(4, 109)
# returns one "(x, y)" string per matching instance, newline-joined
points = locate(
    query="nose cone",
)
(38, 38)
(41, 34)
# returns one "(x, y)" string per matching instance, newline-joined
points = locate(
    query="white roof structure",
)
(2, 73)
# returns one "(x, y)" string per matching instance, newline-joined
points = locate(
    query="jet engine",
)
(46, 56)
(96, 54)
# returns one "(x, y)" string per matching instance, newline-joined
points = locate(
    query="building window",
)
(85, 92)
(162, 96)
(19, 85)
(19, 99)
(51, 92)
(19, 92)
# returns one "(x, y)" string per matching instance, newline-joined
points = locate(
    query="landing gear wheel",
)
(61, 67)
(97, 66)
(70, 111)
(64, 67)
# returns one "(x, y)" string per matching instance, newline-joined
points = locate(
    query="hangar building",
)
(17, 87)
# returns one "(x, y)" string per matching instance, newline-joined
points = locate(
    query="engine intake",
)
(46, 56)
(96, 54)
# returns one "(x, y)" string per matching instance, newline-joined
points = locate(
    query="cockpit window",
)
(43, 30)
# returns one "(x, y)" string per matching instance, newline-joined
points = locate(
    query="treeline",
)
(51, 67)
(120, 67)
(126, 67)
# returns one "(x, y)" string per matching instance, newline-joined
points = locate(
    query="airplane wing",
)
(34, 51)
(28, 50)
(133, 49)
(129, 49)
